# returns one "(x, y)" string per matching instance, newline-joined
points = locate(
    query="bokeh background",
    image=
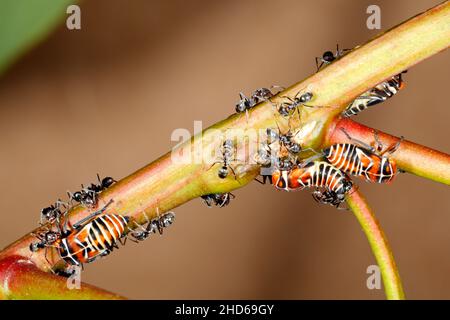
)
(107, 97)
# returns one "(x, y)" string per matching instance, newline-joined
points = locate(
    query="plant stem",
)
(21, 279)
(410, 157)
(166, 184)
(379, 245)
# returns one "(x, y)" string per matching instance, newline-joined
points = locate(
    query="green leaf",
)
(23, 23)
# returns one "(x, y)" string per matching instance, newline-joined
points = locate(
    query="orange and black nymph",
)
(361, 162)
(90, 238)
(313, 174)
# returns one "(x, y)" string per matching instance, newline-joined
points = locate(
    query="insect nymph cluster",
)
(96, 235)
(327, 172)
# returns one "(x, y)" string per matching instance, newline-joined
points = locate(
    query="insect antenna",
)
(96, 213)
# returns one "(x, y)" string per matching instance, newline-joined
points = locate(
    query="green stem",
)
(379, 245)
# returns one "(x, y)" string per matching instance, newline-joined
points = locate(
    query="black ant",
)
(46, 239)
(104, 184)
(218, 199)
(287, 108)
(328, 57)
(88, 196)
(328, 197)
(52, 212)
(85, 197)
(158, 223)
(276, 158)
(259, 95)
(227, 152)
(285, 140)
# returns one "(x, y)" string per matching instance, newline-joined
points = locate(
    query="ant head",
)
(167, 219)
(307, 96)
(50, 237)
(208, 199)
(347, 185)
(294, 148)
(223, 172)
(77, 196)
(107, 182)
(328, 56)
(241, 107)
(285, 111)
(243, 104)
(284, 139)
(35, 246)
(272, 135)
(47, 211)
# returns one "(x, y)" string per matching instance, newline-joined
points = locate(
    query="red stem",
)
(410, 157)
(21, 279)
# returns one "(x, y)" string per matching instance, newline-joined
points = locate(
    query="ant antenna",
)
(96, 213)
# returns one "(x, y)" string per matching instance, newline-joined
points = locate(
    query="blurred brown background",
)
(106, 99)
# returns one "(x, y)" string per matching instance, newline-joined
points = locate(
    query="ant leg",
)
(123, 240)
(298, 114)
(61, 229)
(398, 172)
(340, 53)
(317, 64)
(66, 223)
(147, 220)
(289, 98)
(394, 147)
(139, 226)
(316, 196)
(310, 159)
(361, 143)
(216, 162)
(378, 143)
(234, 173)
(60, 203)
(310, 106)
(262, 182)
(313, 150)
(134, 240)
(48, 261)
(70, 195)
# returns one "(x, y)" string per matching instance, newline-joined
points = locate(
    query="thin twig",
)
(379, 245)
